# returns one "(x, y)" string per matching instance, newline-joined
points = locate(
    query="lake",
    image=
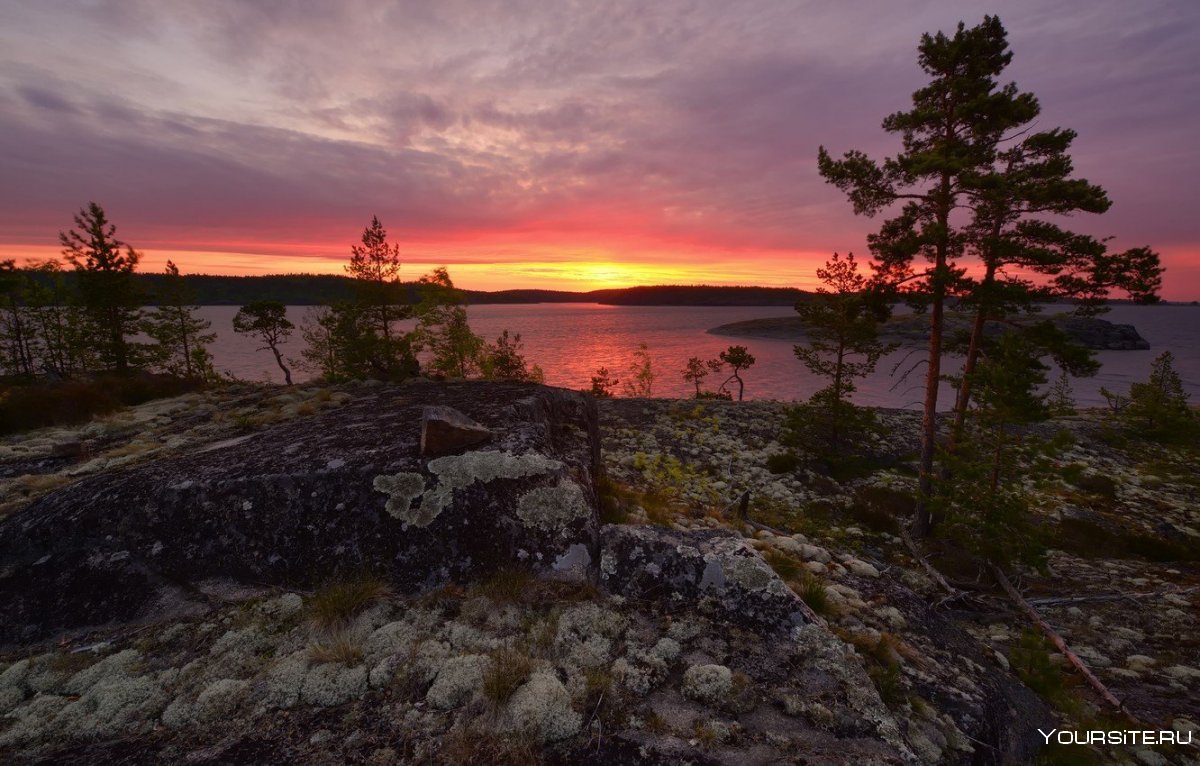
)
(571, 340)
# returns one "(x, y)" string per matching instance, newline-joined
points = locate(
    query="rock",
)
(714, 567)
(69, 449)
(861, 568)
(310, 500)
(445, 430)
(1140, 662)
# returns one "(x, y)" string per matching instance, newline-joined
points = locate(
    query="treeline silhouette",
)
(327, 289)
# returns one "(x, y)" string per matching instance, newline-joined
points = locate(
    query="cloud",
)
(686, 127)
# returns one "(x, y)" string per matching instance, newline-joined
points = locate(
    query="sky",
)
(569, 145)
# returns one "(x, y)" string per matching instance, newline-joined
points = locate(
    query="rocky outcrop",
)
(712, 570)
(338, 493)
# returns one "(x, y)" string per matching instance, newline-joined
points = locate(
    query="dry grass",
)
(342, 647)
(335, 606)
(510, 668)
(471, 746)
(504, 586)
(784, 565)
(136, 447)
(812, 592)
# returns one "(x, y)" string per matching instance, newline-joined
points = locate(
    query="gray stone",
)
(445, 430)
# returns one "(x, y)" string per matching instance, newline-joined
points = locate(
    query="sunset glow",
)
(540, 146)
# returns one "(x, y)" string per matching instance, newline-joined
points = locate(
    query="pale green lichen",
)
(552, 508)
(710, 684)
(454, 472)
(458, 681)
(542, 709)
(110, 704)
(216, 701)
(116, 665)
(332, 684)
(402, 489)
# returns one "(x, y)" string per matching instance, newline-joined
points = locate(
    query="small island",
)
(913, 329)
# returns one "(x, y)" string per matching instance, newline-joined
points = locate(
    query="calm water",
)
(570, 341)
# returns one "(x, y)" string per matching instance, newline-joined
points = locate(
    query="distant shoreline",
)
(326, 289)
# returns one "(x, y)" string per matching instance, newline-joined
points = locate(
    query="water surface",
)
(571, 340)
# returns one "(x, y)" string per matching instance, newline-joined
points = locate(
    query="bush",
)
(37, 405)
(783, 462)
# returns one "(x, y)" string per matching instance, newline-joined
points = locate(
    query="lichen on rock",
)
(402, 489)
(552, 508)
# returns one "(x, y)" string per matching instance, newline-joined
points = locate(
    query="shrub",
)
(37, 405)
(783, 462)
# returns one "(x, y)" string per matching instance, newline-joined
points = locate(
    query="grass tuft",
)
(335, 606)
(510, 668)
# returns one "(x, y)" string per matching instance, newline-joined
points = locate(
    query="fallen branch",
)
(1101, 597)
(933, 573)
(1056, 639)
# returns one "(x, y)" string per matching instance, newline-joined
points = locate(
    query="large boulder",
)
(343, 493)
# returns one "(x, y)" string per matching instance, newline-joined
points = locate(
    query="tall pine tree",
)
(104, 268)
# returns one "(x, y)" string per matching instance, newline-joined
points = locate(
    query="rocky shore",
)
(255, 575)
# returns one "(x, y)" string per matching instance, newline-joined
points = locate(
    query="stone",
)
(68, 449)
(445, 430)
(716, 568)
(302, 503)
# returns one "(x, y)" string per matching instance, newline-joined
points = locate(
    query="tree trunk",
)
(923, 524)
(287, 374)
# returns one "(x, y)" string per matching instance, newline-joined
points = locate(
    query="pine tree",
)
(443, 329)
(181, 337)
(267, 321)
(842, 324)
(949, 137)
(104, 267)
(694, 372)
(738, 358)
(603, 384)
(375, 265)
(1061, 398)
(640, 382)
(1026, 257)
(1159, 407)
(16, 332)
